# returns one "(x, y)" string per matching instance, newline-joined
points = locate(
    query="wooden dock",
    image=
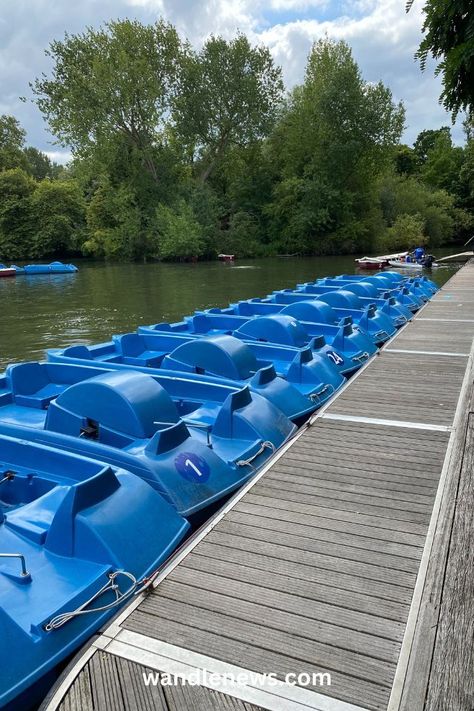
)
(350, 554)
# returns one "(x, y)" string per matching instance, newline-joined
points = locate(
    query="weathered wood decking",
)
(348, 555)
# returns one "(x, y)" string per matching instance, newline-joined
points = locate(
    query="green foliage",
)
(58, 211)
(179, 233)
(449, 37)
(228, 97)
(405, 233)
(180, 154)
(242, 235)
(16, 224)
(114, 81)
(38, 218)
(405, 160)
(402, 196)
(336, 135)
(39, 165)
(12, 139)
(114, 223)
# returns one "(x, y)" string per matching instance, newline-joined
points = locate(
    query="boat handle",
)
(199, 425)
(382, 334)
(265, 445)
(362, 356)
(21, 557)
(316, 396)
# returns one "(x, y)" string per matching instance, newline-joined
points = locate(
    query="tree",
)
(39, 165)
(228, 97)
(406, 231)
(117, 80)
(426, 140)
(335, 136)
(12, 139)
(449, 37)
(407, 195)
(58, 212)
(443, 163)
(405, 160)
(16, 222)
(114, 222)
(179, 232)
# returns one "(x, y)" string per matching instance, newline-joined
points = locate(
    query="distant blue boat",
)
(402, 295)
(381, 284)
(395, 279)
(69, 527)
(335, 347)
(378, 325)
(344, 299)
(193, 449)
(52, 268)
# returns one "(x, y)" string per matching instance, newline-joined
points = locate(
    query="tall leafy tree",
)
(117, 80)
(449, 37)
(39, 164)
(16, 221)
(228, 97)
(335, 136)
(12, 140)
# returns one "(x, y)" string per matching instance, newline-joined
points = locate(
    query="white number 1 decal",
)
(189, 463)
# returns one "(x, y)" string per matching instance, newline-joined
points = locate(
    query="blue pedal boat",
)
(379, 326)
(138, 351)
(402, 295)
(52, 268)
(70, 528)
(128, 419)
(338, 347)
(396, 280)
(376, 285)
(380, 281)
(247, 360)
(344, 299)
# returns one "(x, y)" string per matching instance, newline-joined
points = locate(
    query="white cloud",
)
(297, 4)
(61, 157)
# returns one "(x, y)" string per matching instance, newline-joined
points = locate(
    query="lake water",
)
(40, 312)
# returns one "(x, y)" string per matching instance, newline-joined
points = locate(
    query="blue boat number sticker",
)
(192, 467)
(335, 357)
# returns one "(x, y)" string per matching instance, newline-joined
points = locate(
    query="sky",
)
(382, 35)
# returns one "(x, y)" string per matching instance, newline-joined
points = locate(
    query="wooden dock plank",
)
(310, 529)
(287, 600)
(315, 545)
(315, 568)
(451, 680)
(241, 644)
(300, 621)
(319, 589)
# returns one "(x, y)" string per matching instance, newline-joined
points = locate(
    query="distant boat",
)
(370, 263)
(226, 257)
(401, 264)
(378, 262)
(6, 271)
(52, 268)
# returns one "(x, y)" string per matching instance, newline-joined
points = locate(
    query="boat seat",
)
(41, 398)
(150, 359)
(33, 520)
